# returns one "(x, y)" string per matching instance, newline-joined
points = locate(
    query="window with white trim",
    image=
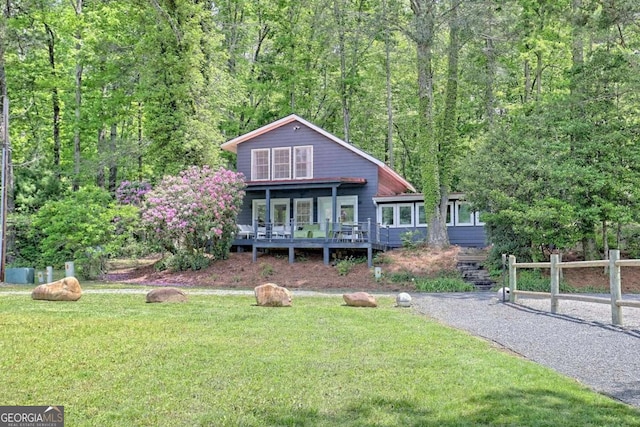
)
(279, 211)
(281, 163)
(260, 164)
(450, 218)
(479, 218)
(387, 215)
(405, 215)
(303, 162)
(346, 207)
(421, 215)
(303, 211)
(464, 214)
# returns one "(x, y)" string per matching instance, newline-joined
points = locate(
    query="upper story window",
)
(279, 164)
(303, 163)
(282, 163)
(260, 164)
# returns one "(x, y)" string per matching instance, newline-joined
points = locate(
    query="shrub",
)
(345, 265)
(194, 212)
(132, 192)
(69, 227)
(412, 239)
(444, 284)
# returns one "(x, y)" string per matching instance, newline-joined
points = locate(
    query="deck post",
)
(555, 282)
(370, 256)
(255, 253)
(325, 253)
(615, 287)
(292, 255)
(513, 284)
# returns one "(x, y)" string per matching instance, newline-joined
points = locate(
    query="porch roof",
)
(304, 184)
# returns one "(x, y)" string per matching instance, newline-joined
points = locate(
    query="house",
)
(306, 188)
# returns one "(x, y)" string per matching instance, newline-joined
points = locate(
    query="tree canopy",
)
(528, 106)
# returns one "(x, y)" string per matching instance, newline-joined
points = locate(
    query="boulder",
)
(67, 289)
(272, 295)
(166, 295)
(403, 299)
(360, 299)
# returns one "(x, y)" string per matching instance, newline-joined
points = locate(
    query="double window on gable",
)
(282, 163)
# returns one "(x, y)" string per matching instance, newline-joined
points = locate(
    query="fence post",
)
(512, 279)
(615, 287)
(555, 282)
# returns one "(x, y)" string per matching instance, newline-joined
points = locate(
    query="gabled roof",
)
(384, 170)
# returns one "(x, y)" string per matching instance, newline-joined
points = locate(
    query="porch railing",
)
(328, 231)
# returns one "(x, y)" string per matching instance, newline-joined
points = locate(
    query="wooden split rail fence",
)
(555, 265)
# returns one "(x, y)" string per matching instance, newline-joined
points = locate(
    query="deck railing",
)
(356, 232)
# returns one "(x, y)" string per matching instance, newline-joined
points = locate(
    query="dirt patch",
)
(309, 272)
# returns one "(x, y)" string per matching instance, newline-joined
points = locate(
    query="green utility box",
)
(19, 276)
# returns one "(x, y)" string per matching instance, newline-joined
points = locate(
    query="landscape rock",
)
(272, 295)
(360, 299)
(166, 295)
(67, 289)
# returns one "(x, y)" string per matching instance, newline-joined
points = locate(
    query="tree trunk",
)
(102, 153)
(346, 118)
(78, 88)
(388, 89)
(55, 102)
(113, 163)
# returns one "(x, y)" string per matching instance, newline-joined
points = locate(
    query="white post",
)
(555, 282)
(512, 278)
(69, 269)
(49, 274)
(615, 286)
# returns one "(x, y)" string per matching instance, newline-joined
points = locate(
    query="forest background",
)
(530, 107)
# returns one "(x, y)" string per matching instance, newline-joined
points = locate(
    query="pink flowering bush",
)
(194, 212)
(132, 192)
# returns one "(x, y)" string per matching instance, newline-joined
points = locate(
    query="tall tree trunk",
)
(113, 163)
(388, 89)
(424, 11)
(78, 88)
(140, 142)
(55, 101)
(490, 54)
(344, 98)
(578, 21)
(102, 153)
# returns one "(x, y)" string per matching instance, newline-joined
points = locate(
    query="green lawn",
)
(112, 360)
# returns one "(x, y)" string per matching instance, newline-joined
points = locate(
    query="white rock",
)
(403, 299)
(503, 293)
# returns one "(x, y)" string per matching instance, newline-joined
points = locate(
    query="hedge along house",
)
(308, 189)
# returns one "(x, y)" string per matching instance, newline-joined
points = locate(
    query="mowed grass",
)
(113, 360)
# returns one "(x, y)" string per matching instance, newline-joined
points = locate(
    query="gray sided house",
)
(306, 189)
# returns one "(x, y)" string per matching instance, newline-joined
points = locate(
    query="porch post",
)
(267, 213)
(334, 204)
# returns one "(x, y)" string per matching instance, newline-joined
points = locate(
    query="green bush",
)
(183, 261)
(535, 281)
(345, 265)
(401, 277)
(444, 284)
(67, 228)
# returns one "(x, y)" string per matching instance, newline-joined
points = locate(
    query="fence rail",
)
(555, 265)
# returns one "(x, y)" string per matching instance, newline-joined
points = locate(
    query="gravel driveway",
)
(579, 341)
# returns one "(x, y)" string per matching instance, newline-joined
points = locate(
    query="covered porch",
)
(327, 236)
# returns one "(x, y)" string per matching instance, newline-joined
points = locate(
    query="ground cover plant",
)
(113, 360)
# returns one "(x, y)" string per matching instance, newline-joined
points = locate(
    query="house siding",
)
(330, 160)
(466, 236)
